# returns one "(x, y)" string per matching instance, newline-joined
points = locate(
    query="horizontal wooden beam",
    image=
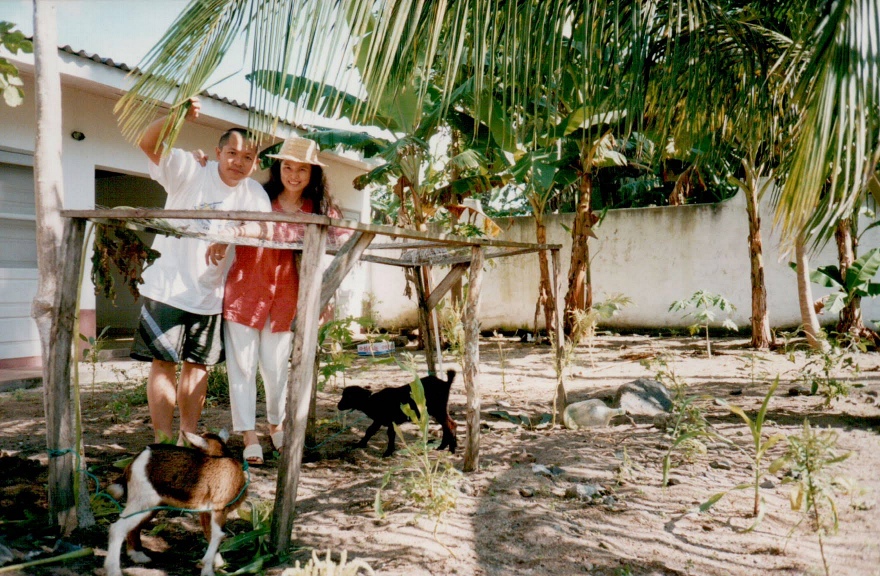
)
(393, 231)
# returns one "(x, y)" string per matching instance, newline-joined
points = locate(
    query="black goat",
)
(383, 407)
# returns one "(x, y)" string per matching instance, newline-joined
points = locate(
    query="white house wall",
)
(89, 93)
(652, 255)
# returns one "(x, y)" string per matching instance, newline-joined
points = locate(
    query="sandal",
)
(277, 439)
(253, 454)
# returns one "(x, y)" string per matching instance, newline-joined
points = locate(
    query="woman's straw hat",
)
(299, 150)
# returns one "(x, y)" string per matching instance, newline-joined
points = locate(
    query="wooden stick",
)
(560, 396)
(445, 285)
(245, 216)
(471, 361)
(425, 320)
(299, 390)
(59, 411)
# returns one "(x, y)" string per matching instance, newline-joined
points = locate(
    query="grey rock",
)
(550, 472)
(768, 484)
(721, 464)
(643, 397)
(609, 501)
(798, 391)
(582, 491)
(527, 492)
(662, 420)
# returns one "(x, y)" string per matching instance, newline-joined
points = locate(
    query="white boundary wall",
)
(652, 255)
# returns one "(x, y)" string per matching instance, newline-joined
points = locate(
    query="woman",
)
(261, 295)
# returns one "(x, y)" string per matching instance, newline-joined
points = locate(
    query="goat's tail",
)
(450, 376)
(117, 490)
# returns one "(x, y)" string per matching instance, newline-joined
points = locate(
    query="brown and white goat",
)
(205, 477)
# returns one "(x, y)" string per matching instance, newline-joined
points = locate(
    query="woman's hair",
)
(316, 190)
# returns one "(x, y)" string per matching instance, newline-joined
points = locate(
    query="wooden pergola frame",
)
(316, 288)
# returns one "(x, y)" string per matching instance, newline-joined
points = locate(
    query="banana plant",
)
(857, 283)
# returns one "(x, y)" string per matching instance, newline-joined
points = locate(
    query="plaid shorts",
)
(175, 335)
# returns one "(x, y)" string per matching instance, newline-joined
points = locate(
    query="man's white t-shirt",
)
(180, 277)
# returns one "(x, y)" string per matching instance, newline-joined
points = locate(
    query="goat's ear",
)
(196, 440)
(224, 435)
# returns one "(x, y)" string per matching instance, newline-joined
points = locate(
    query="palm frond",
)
(836, 76)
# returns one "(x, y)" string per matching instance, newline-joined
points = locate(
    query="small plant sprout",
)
(499, 338)
(333, 337)
(687, 422)
(327, 567)
(752, 364)
(92, 354)
(701, 308)
(252, 544)
(452, 328)
(760, 448)
(824, 369)
(810, 457)
(586, 321)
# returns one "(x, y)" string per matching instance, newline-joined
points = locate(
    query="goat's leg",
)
(374, 427)
(391, 436)
(133, 541)
(449, 440)
(205, 520)
(119, 531)
(214, 532)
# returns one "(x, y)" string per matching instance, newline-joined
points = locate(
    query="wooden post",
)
(425, 319)
(471, 361)
(559, 339)
(299, 390)
(60, 433)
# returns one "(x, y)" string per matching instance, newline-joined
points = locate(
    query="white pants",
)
(247, 347)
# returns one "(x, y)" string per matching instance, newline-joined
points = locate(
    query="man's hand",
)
(216, 253)
(194, 108)
(200, 157)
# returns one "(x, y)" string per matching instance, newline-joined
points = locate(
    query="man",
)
(183, 293)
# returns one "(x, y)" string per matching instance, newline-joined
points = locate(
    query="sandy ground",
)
(509, 518)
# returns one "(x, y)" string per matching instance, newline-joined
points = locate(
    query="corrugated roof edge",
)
(94, 57)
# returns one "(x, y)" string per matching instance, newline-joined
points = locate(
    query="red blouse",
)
(264, 282)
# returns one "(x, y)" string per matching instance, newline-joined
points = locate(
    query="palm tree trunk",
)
(762, 336)
(580, 290)
(809, 321)
(850, 321)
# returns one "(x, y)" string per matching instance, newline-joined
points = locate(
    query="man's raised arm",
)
(150, 139)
